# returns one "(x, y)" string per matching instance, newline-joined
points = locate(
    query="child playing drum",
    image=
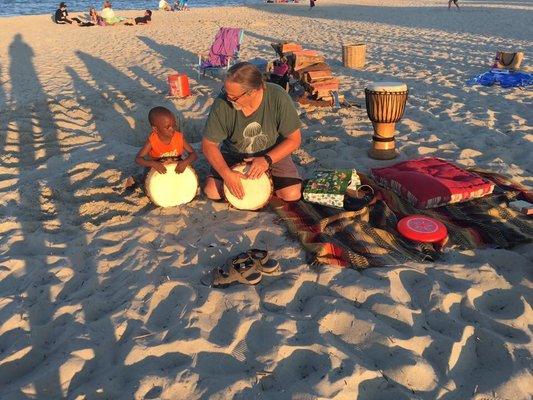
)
(164, 145)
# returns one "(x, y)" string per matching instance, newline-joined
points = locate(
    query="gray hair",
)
(247, 75)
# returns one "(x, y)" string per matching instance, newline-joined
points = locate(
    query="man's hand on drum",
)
(234, 184)
(181, 165)
(258, 166)
(159, 167)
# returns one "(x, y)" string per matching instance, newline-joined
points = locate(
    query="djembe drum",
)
(256, 191)
(385, 104)
(171, 189)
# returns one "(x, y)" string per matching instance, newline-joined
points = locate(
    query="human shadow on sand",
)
(48, 340)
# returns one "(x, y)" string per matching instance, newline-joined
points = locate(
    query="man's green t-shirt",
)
(275, 119)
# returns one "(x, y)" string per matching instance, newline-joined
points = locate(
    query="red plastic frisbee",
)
(422, 229)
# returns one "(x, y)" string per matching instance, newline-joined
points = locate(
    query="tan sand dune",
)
(99, 292)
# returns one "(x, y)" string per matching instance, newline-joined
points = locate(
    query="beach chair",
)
(224, 51)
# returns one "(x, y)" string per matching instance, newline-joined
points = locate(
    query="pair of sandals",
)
(247, 268)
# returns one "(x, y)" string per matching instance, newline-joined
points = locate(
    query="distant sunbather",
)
(95, 17)
(109, 15)
(61, 17)
(163, 5)
(144, 19)
(181, 5)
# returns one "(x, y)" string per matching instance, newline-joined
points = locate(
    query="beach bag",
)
(507, 60)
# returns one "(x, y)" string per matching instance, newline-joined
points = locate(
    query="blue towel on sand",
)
(505, 79)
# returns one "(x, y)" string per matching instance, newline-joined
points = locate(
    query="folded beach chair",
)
(224, 51)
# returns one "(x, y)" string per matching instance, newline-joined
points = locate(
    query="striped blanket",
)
(368, 238)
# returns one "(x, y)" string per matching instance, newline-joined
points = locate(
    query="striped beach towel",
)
(368, 238)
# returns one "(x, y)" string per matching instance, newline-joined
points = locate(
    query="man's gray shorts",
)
(284, 172)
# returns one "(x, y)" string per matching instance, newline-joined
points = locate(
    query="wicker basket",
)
(353, 55)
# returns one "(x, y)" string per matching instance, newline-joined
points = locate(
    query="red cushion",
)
(432, 182)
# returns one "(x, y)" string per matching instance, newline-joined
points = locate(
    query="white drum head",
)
(387, 87)
(256, 191)
(171, 189)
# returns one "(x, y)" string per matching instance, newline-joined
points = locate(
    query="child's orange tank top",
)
(160, 149)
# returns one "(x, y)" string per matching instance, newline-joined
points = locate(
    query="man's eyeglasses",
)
(232, 99)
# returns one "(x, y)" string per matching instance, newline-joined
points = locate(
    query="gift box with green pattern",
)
(328, 187)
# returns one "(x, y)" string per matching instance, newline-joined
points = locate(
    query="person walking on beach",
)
(454, 2)
(311, 4)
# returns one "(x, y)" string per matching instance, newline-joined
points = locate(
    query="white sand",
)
(99, 293)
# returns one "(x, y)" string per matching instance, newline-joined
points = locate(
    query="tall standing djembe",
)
(385, 105)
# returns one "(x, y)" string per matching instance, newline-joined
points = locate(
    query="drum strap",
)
(382, 139)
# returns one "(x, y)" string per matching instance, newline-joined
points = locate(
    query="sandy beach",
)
(100, 294)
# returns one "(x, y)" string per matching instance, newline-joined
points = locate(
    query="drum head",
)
(256, 191)
(390, 87)
(422, 229)
(171, 189)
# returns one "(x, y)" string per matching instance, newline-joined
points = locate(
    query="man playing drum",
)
(255, 122)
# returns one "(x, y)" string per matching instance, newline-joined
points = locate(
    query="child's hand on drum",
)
(258, 166)
(159, 167)
(233, 182)
(180, 166)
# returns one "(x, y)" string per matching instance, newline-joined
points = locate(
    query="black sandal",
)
(262, 261)
(233, 272)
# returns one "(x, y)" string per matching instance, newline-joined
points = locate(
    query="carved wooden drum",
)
(385, 105)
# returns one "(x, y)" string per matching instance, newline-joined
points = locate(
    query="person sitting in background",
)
(163, 5)
(181, 5)
(144, 19)
(61, 17)
(109, 15)
(95, 17)
(107, 12)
